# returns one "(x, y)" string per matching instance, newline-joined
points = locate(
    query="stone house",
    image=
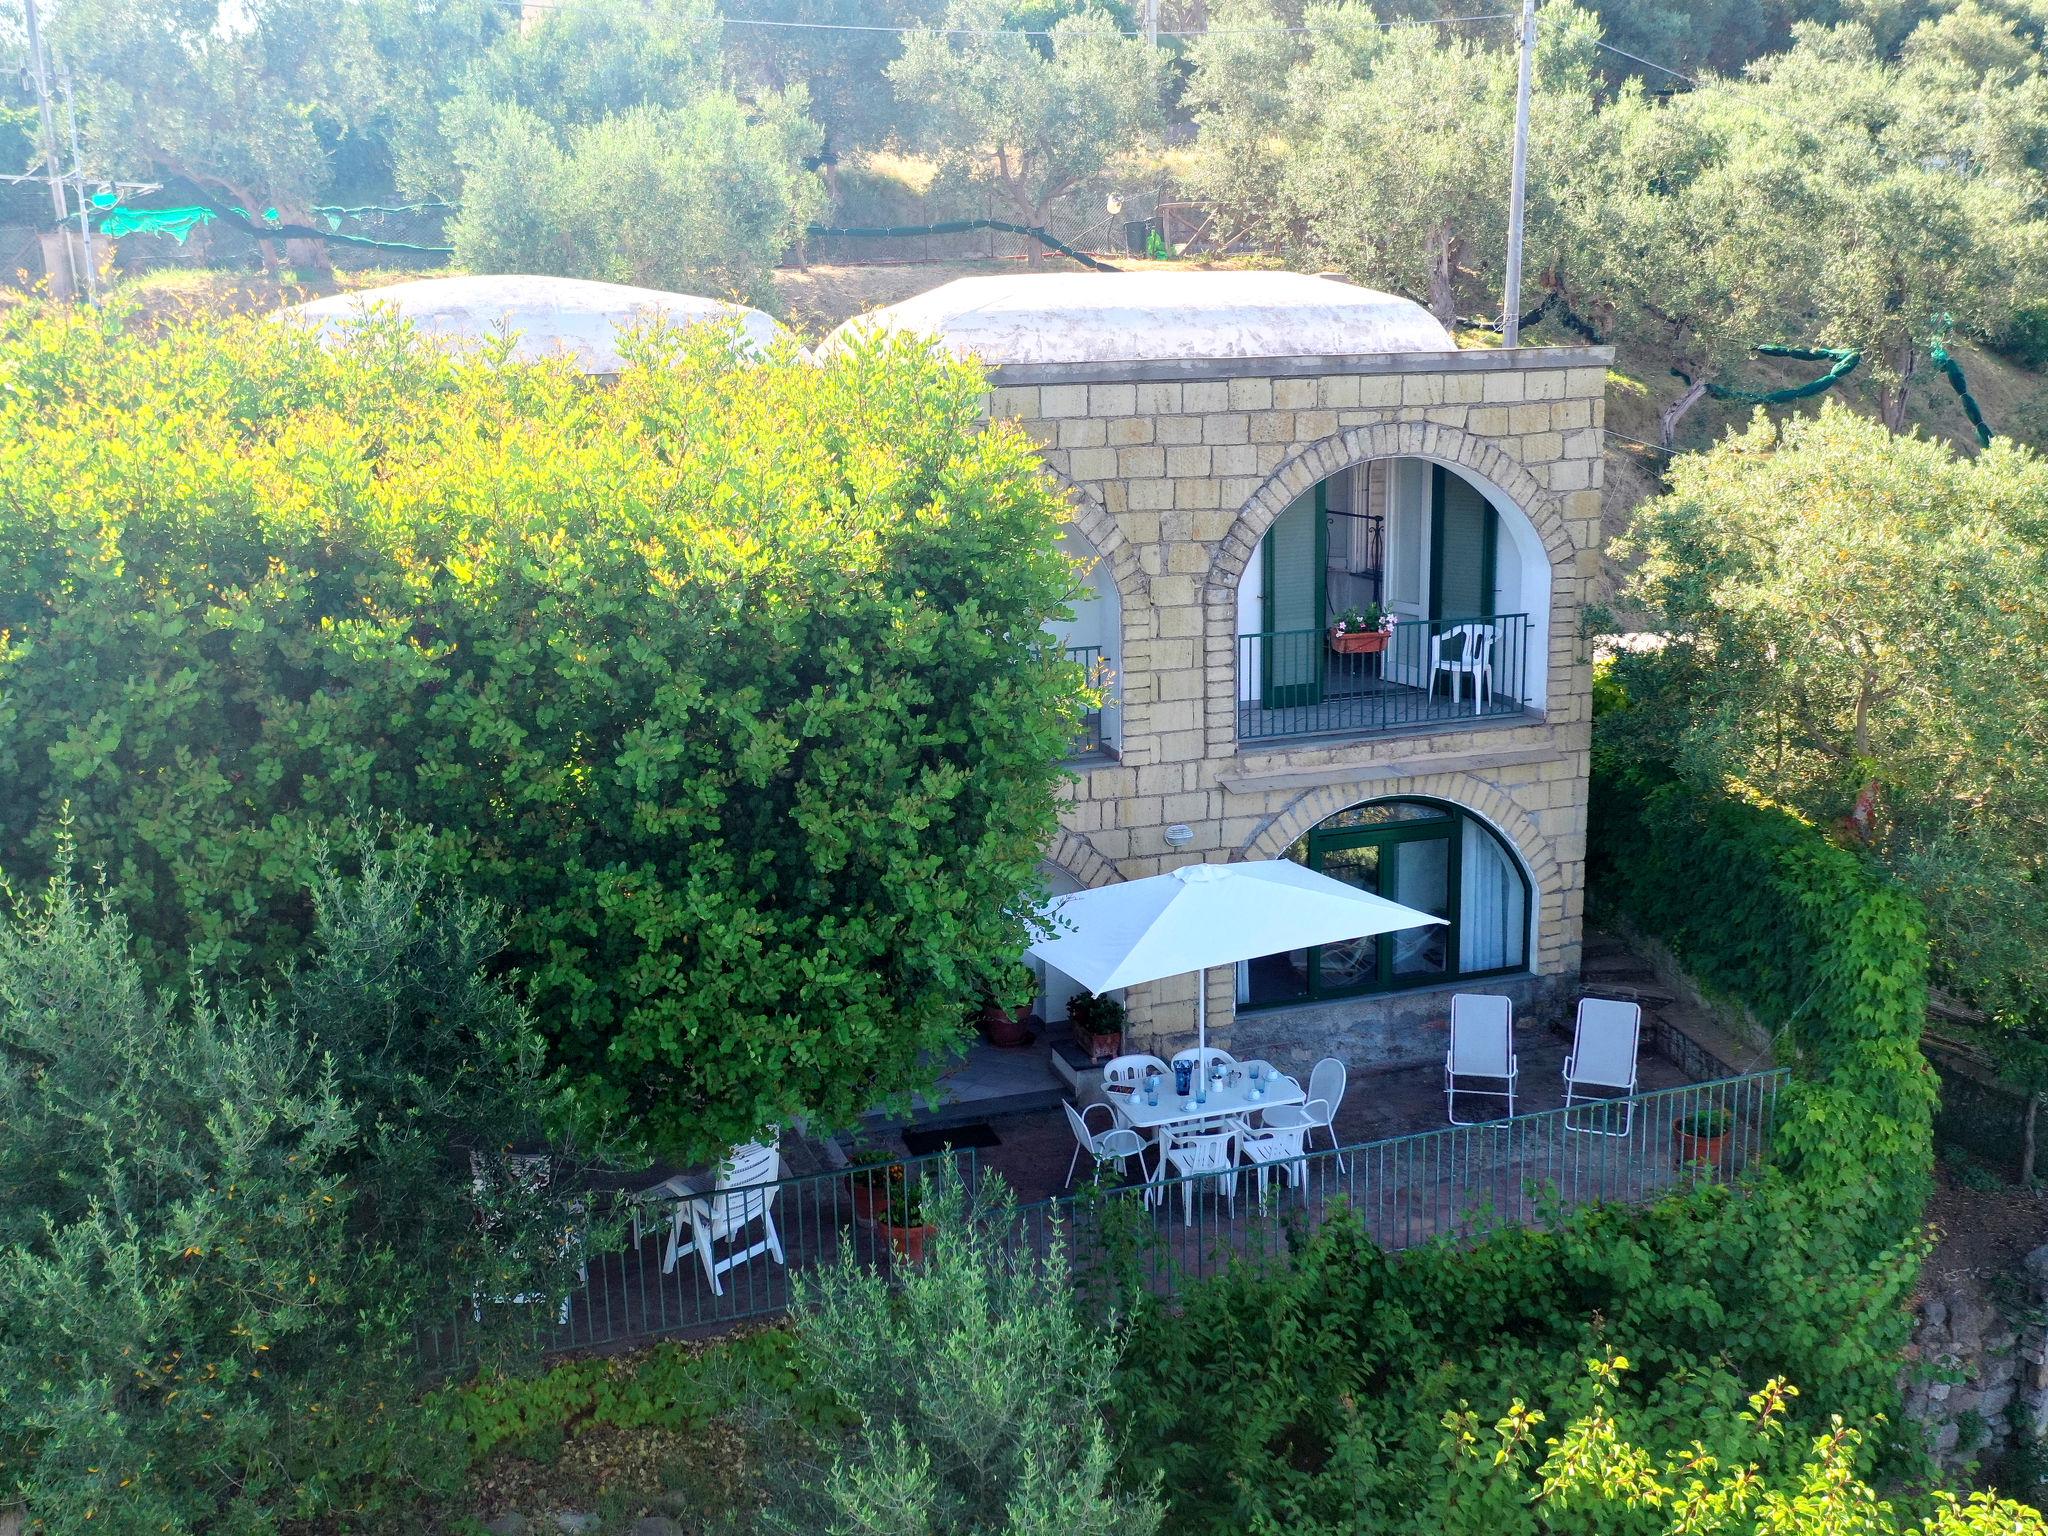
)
(1252, 458)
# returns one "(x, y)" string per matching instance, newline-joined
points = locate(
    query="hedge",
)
(1818, 942)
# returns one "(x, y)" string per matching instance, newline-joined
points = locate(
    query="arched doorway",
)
(1427, 854)
(1451, 576)
(1094, 637)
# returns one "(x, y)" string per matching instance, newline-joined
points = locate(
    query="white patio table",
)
(1226, 1101)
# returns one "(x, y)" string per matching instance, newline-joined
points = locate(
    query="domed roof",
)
(548, 316)
(1125, 317)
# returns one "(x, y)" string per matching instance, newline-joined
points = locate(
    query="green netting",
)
(1845, 360)
(175, 222)
(1568, 317)
(1953, 372)
(957, 227)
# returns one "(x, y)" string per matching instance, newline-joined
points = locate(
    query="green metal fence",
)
(1456, 1183)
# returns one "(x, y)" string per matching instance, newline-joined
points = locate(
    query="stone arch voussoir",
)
(1089, 519)
(1081, 860)
(1469, 793)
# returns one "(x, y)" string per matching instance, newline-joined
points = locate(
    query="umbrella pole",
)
(1201, 1014)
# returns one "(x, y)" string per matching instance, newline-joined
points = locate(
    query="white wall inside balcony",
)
(1097, 621)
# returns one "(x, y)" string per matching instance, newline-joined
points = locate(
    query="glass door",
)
(1412, 862)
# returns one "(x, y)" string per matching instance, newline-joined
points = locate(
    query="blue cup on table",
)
(1183, 1078)
(1152, 1090)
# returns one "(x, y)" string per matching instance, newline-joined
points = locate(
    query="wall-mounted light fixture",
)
(1179, 835)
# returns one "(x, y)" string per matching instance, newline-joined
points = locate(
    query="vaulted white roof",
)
(1119, 317)
(548, 316)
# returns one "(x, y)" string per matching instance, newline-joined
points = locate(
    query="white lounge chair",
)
(744, 1194)
(1112, 1143)
(1482, 1047)
(1603, 1058)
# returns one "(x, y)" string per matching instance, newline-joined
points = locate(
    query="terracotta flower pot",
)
(1712, 1150)
(908, 1242)
(1362, 642)
(1005, 1027)
(871, 1183)
(1100, 1047)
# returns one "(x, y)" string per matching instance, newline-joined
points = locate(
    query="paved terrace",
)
(1405, 1173)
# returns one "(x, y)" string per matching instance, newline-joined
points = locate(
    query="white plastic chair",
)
(1326, 1081)
(1201, 1157)
(1473, 658)
(1277, 1143)
(1129, 1071)
(1204, 1057)
(532, 1173)
(744, 1194)
(1482, 1046)
(1603, 1057)
(1117, 1142)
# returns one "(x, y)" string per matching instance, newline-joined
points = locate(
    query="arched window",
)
(1424, 854)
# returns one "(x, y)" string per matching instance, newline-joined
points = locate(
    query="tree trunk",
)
(1672, 414)
(1891, 400)
(2027, 1141)
(1443, 247)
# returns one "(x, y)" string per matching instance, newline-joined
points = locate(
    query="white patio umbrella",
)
(1200, 915)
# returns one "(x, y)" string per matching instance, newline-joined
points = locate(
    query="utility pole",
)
(92, 276)
(64, 276)
(1152, 22)
(1511, 302)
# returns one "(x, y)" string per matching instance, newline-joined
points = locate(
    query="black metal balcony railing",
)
(1089, 738)
(1294, 682)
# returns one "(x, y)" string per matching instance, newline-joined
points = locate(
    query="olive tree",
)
(1033, 119)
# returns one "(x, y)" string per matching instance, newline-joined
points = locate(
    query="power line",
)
(851, 26)
(1647, 63)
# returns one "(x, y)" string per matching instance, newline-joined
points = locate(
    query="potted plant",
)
(1702, 1136)
(874, 1169)
(1361, 631)
(1098, 1024)
(1006, 1027)
(902, 1219)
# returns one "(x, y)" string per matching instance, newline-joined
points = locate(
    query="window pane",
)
(1383, 813)
(1421, 878)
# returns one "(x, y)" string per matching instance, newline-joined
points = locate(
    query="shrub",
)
(729, 683)
(1307, 1390)
(218, 1230)
(976, 1384)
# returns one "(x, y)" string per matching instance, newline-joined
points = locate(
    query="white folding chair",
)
(1326, 1081)
(1278, 1143)
(1482, 1046)
(531, 1174)
(1472, 657)
(1201, 1158)
(744, 1194)
(1603, 1058)
(1115, 1142)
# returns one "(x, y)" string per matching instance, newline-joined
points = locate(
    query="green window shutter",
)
(1462, 550)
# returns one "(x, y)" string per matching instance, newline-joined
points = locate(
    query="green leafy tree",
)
(1592, 1476)
(1857, 617)
(223, 1220)
(705, 197)
(729, 681)
(1034, 120)
(585, 60)
(976, 1385)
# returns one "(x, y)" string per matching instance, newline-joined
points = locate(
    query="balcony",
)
(1089, 741)
(1428, 672)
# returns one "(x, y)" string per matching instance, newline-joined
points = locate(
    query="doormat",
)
(978, 1133)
